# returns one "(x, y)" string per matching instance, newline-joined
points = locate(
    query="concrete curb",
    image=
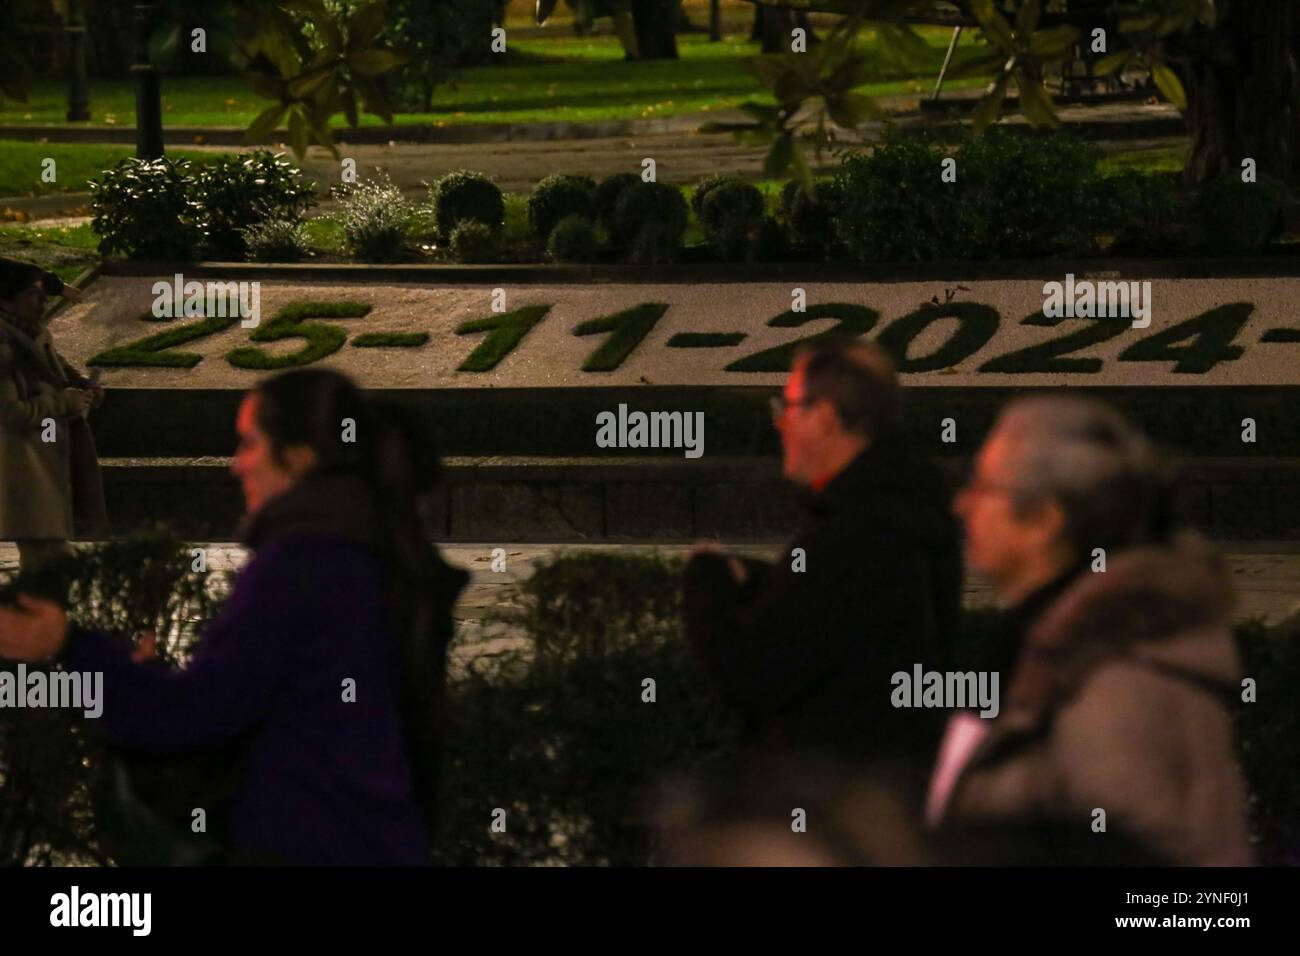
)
(1276, 265)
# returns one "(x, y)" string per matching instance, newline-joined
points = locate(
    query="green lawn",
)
(1163, 159)
(576, 79)
(66, 252)
(22, 163)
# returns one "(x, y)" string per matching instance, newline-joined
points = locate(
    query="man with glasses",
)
(50, 483)
(805, 646)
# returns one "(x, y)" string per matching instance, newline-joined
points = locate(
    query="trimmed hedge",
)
(554, 728)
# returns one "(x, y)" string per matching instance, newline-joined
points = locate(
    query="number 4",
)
(1211, 333)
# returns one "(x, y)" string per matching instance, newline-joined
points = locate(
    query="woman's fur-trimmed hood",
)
(1167, 606)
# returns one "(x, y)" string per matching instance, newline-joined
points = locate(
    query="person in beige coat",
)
(1116, 724)
(50, 484)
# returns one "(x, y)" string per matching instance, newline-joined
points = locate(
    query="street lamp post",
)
(148, 95)
(78, 93)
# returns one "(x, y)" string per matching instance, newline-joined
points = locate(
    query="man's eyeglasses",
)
(779, 403)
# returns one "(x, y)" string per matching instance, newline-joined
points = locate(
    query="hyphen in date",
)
(1165, 899)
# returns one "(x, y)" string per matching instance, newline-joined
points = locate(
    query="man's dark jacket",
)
(807, 656)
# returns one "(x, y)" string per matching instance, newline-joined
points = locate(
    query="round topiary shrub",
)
(573, 239)
(608, 193)
(731, 216)
(463, 194)
(557, 197)
(473, 241)
(655, 242)
(644, 205)
(706, 186)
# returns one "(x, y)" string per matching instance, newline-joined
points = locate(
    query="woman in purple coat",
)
(326, 667)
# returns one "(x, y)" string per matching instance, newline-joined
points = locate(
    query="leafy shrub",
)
(1146, 214)
(1268, 739)
(1014, 196)
(238, 192)
(731, 216)
(1239, 219)
(473, 241)
(810, 216)
(49, 764)
(144, 209)
(375, 218)
(581, 748)
(573, 239)
(555, 198)
(771, 244)
(276, 240)
(608, 192)
(650, 219)
(463, 194)
(441, 35)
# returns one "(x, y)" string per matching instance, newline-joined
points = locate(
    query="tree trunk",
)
(1243, 93)
(655, 22)
(778, 22)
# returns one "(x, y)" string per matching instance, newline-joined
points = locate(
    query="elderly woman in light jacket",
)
(1116, 724)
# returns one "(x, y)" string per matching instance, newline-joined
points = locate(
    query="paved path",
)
(681, 154)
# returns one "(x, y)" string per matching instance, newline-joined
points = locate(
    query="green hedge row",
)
(555, 729)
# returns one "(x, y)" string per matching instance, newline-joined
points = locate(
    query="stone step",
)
(520, 498)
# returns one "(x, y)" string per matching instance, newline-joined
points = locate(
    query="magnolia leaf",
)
(1027, 17)
(1035, 101)
(851, 110)
(299, 134)
(779, 156)
(374, 62)
(365, 25)
(990, 105)
(1168, 83)
(1053, 42)
(302, 87)
(1112, 63)
(979, 66)
(265, 122)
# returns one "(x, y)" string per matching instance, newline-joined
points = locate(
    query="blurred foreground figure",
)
(805, 646)
(50, 485)
(1117, 715)
(325, 669)
(771, 809)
